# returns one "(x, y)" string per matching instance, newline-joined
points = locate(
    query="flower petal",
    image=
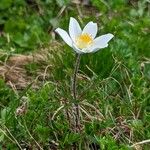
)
(90, 28)
(74, 29)
(100, 42)
(77, 50)
(64, 35)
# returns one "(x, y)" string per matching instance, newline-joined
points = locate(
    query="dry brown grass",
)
(13, 69)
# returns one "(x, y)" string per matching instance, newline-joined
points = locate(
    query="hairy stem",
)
(74, 93)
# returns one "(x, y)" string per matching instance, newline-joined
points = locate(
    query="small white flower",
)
(84, 41)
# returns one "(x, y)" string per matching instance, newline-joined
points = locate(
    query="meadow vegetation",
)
(36, 69)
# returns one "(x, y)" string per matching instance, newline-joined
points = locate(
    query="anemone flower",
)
(84, 41)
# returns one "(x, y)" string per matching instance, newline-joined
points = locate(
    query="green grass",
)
(113, 84)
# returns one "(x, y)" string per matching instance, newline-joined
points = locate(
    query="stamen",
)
(84, 40)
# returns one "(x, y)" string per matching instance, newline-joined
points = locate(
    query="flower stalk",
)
(74, 93)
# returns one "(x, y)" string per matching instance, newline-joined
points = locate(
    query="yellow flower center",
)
(84, 40)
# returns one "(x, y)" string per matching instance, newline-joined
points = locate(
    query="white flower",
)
(84, 41)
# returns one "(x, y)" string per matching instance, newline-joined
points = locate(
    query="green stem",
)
(74, 93)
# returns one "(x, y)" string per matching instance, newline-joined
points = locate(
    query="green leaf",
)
(4, 4)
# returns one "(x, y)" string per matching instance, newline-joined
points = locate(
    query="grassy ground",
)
(36, 69)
